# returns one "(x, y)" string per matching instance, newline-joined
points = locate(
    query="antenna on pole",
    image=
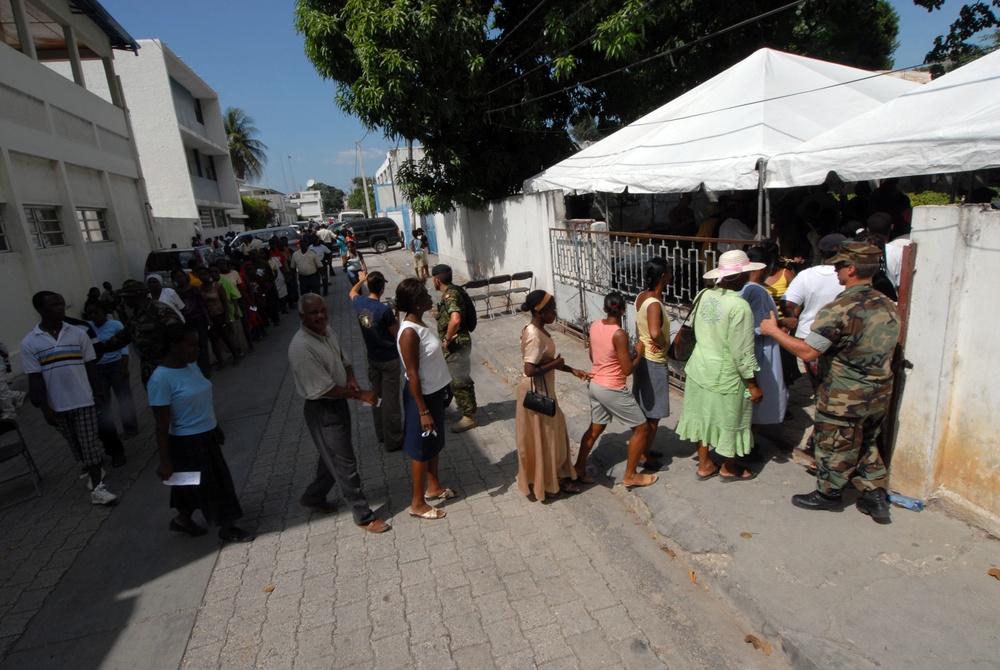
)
(295, 184)
(364, 182)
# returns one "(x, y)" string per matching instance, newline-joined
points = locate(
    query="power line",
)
(543, 37)
(514, 29)
(590, 38)
(643, 61)
(636, 124)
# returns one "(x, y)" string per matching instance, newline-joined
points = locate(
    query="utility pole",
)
(364, 182)
(295, 184)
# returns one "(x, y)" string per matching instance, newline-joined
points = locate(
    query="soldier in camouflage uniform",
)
(457, 343)
(854, 338)
(143, 330)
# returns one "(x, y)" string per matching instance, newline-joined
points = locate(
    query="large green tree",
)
(246, 152)
(492, 88)
(970, 36)
(333, 197)
(356, 198)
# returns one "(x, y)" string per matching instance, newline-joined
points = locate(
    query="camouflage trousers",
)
(463, 389)
(846, 450)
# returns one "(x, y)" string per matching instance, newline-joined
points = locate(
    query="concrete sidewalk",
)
(837, 589)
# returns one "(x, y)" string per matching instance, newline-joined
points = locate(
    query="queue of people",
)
(735, 378)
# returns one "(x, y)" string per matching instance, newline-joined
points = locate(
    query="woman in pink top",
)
(609, 397)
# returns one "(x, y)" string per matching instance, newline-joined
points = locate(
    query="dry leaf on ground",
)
(757, 643)
(993, 572)
(694, 580)
(670, 553)
(746, 536)
(268, 588)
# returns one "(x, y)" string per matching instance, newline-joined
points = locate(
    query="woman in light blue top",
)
(189, 439)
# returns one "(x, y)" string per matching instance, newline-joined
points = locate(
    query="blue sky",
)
(249, 52)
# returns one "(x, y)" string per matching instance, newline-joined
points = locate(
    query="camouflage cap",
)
(133, 287)
(852, 253)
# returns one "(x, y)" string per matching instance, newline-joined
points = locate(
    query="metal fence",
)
(599, 262)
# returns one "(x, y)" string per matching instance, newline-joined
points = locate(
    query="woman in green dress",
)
(720, 388)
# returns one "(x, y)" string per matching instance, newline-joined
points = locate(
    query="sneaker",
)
(102, 496)
(86, 475)
(19, 398)
(464, 424)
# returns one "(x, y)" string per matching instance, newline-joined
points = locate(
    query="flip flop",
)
(585, 479)
(705, 478)
(569, 488)
(432, 513)
(446, 494)
(648, 480)
(726, 479)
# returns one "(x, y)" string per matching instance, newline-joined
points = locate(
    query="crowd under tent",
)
(720, 133)
(949, 125)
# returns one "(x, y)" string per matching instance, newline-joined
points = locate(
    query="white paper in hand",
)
(184, 479)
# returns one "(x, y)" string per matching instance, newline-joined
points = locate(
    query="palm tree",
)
(245, 150)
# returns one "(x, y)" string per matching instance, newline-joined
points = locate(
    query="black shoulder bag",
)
(538, 402)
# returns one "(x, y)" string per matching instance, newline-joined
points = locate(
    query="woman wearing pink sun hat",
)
(720, 388)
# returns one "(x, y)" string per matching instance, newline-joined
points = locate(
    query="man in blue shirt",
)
(113, 373)
(379, 327)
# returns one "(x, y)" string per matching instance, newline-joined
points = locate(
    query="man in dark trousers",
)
(325, 378)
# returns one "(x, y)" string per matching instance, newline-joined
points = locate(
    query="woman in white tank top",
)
(427, 378)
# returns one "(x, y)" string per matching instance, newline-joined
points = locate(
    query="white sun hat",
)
(732, 263)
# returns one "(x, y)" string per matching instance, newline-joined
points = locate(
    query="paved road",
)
(501, 582)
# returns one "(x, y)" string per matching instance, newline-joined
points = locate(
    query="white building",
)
(178, 127)
(73, 208)
(283, 210)
(309, 204)
(389, 198)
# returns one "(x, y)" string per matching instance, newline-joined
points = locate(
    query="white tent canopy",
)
(949, 125)
(715, 134)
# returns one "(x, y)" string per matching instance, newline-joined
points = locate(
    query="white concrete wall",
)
(947, 445)
(508, 236)
(63, 146)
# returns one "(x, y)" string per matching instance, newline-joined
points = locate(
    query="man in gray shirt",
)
(325, 378)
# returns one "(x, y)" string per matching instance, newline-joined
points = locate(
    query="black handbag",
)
(538, 402)
(683, 345)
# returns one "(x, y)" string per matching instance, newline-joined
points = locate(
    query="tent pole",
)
(761, 175)
(767, 212)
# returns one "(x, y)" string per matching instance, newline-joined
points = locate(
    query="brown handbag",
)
(683, 345)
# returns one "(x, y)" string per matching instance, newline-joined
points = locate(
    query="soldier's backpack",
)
(469, 318)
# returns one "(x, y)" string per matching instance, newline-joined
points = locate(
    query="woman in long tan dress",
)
(545, 464)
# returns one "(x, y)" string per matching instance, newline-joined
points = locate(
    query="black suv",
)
(379, 233)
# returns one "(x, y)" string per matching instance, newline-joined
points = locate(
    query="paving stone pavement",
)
(500, 582)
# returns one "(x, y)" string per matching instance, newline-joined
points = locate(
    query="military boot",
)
(817, 500)
(465, 423)
(875, 504)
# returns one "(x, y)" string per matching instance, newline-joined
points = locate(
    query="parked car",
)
(379, 233)
(164, 261)
(265, 234)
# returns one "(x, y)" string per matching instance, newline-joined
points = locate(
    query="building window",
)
(220, 218)
(195, 163)
(93, 225)
(210, 168)
(206, 218)
(4, 244)
(45, 226)
(197, 111)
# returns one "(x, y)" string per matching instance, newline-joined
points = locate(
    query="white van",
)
(350, 215)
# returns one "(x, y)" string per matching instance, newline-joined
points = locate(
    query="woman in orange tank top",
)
(609, 397)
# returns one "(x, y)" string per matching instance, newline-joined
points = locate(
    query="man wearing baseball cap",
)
(457, 343)
(853, 338)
